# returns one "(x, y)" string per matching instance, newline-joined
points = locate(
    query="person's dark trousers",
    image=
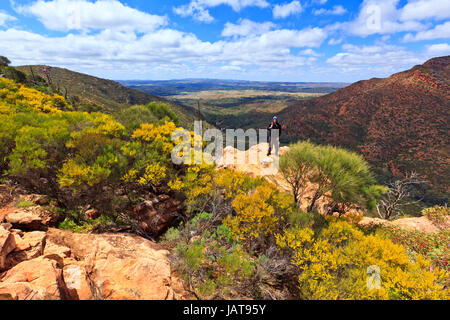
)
(274, 144)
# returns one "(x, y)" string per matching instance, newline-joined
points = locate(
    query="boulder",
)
(156, 215)
(28, 247)
(25, 220)
(52, 249)
(117, 267)
(37, 279)
(7, 245)
(77, 281)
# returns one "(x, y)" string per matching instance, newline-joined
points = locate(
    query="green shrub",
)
(224, 233)
(133, 117)
(193, 256)
(162, 111)
(25, 204)
(343, 174)
(16, 75)
(172, 235)
(297, 167)
(75, 223)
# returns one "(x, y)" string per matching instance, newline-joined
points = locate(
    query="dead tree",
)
(397, 196)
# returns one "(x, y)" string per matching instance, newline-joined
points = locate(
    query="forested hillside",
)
(95, 94)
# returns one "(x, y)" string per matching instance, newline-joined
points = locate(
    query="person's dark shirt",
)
(276, 126)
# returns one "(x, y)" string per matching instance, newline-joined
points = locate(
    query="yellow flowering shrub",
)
(259, 212)
(204, 184)
(154, 175)
(338, 263)
(160, 136)
(149, 155)
(74, 174)
(23, 98)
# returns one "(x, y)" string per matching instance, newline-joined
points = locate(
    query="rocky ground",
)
(38, 262)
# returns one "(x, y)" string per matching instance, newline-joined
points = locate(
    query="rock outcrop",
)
(37, 279)
(156, 215)
(7, 245)
(38, 262)
(29, 245)
(116, 266)
(422, 224)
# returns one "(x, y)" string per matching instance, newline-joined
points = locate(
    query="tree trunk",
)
(313, 202)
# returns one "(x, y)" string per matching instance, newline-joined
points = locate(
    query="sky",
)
(263, 40)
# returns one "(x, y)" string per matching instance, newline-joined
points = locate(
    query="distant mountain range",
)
(399, 124)
(175, 87)
(97, 94)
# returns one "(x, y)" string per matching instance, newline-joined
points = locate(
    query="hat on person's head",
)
(275, 118)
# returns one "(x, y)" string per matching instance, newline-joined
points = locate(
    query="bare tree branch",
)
(399, 190)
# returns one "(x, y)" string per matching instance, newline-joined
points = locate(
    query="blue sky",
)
(267, 40)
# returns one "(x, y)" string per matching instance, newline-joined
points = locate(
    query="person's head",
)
(275, 119)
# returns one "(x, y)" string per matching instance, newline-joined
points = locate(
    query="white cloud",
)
(194, 10)
(198, 9)
(441, 31)
(309, 52)
(383, 58)
(285, 10)
(437, 50)
(336, 11)
(246, 27)
(334, 41)
(4, 17)
(66, 15)
(424, 9)
(380, 17)
(309, 37)
(116, 54)
(231, 68)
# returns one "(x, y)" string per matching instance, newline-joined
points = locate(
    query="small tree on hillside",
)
(395, 199)
(4, 61)
(345, 175)
(296, 167)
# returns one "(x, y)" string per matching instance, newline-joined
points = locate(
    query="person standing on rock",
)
(273, 137)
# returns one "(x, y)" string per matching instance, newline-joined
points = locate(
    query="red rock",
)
(38, 279)
(28, 247)
(92, 214)
(157, 215)
(25, 220)
(118, 266)
(7, 245)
